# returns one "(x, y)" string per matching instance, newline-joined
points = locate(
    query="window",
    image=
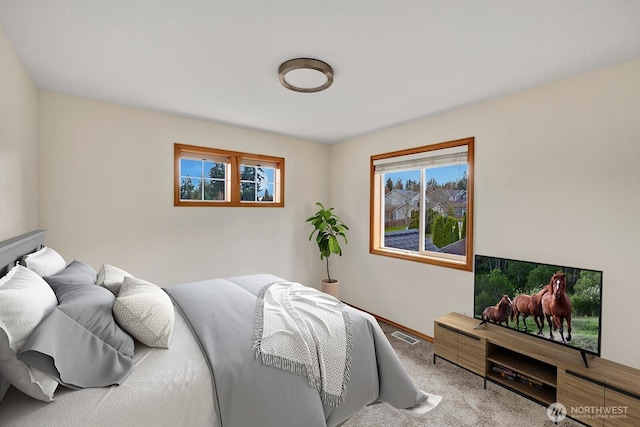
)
(422, 204)
(213, 177)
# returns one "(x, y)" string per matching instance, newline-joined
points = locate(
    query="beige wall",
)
(557, 181)
(18, 145)
(106, 196)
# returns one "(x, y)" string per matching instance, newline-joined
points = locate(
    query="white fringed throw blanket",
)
(302, 330)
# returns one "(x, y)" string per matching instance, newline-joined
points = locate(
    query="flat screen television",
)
(530, 296)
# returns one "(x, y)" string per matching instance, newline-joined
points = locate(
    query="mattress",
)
(167, 387)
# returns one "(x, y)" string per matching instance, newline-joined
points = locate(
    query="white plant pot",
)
(330, 288)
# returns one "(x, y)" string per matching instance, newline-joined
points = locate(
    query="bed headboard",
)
(12, 250)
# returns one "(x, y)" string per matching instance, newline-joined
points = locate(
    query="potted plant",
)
(327, 227)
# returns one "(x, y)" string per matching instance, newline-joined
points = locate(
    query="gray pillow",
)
(79, 342)
(77, 272)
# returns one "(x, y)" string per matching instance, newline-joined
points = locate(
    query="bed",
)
(212, 364)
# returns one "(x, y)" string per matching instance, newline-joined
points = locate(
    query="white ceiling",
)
(394, 60)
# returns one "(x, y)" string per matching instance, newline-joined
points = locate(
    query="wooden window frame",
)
(377, 213)
(235, 159)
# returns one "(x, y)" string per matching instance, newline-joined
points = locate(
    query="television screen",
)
(553, 302)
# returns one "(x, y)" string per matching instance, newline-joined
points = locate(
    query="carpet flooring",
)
(465, 402)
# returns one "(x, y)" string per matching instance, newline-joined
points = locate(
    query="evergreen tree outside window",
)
(214, 177)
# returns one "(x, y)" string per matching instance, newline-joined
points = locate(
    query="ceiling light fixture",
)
(305, 75)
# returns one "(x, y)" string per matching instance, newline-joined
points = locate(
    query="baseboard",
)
(398, 326)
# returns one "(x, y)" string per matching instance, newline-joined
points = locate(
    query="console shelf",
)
(527, 376)
(540, 370)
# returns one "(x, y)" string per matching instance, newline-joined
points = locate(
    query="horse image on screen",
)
(558, 303)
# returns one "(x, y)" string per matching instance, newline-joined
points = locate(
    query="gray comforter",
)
(248, 393)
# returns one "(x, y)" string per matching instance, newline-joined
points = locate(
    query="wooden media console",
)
(594, 391)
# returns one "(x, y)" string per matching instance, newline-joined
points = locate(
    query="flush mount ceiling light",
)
(305, 75)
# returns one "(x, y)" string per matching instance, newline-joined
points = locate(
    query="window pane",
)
(190, 189)
(265, 194)
(257, 183)
(247, 191)
(192, 181)
(266, 184)
(214, 189)
(266, 174)
(214, 170)
(190, 167)
(247, 173)
(401, 210)
(446, 204)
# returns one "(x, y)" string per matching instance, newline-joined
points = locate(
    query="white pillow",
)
(25, 299)
(145, 311)
(45, 262)
(111, 277)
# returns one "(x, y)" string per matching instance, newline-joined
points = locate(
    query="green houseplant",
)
(327, 228)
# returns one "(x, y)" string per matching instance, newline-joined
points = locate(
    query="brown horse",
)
(556, 305)
(498, 313)
(520, 308)
(535, 306)
(529, 305)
